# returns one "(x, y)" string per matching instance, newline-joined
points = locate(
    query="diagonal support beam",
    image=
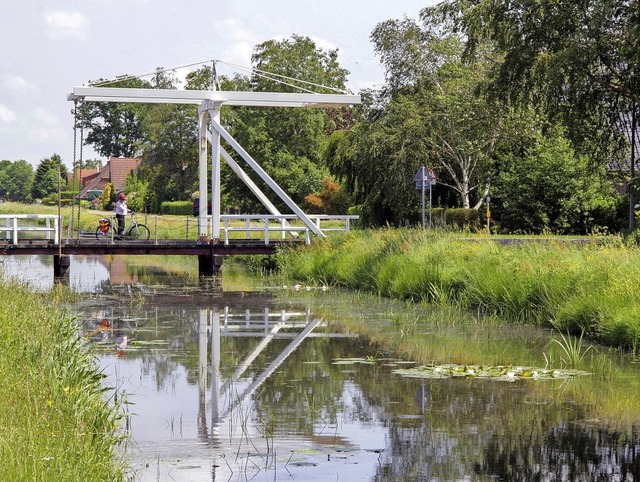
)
(273, 366)
(253, 187)
(246, 179)
(267, 179)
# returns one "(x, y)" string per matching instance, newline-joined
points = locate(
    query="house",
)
(115, 172)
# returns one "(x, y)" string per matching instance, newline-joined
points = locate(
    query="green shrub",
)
(463, 218)
(176, 207)
(438, 218)
(53, 201)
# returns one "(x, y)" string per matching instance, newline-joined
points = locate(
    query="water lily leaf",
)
(499, 372)
(351, 361)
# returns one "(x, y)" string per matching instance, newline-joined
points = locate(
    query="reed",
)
(58, 421)
(572, 351)
(574, 288)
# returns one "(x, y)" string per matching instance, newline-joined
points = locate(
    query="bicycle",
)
(108, 228)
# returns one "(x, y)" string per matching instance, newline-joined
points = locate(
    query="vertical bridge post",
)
(61, 263)
(209, 264)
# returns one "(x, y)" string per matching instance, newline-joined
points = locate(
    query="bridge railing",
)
(29, 226)
(280, 225)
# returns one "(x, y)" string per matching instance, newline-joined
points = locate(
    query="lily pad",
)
(352, 361)
(509, 373)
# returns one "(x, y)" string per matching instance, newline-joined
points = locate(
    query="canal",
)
(247, 382)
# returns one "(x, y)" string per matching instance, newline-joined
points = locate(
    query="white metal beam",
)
(266, 178)
(216, 207)
(249, 183)
(170, 96)
(203, 136)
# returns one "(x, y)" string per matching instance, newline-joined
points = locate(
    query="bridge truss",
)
(211, 132)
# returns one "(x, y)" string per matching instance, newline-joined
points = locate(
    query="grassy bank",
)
(590, 289)
(56, 423)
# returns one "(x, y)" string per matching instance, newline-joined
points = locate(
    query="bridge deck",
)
(141, 247)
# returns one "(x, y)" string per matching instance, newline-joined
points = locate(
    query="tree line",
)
(21, 183)
(529, 103)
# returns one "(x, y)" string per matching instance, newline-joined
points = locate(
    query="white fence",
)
(28, 226)
(280, 224)
(37, 226)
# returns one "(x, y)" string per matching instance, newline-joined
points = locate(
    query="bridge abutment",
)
(61, 263)
(209, 265)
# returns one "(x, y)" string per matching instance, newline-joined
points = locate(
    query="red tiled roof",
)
(115, 171)
(120, 167)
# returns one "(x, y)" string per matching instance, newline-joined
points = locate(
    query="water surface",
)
(257, 384)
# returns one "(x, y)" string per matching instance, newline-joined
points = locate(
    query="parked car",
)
(195, 207)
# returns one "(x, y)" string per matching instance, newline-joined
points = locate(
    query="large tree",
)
(16, 179)
(428, 113)
(51, 173)
(577, 61)
(548, 188)
(113, 129)
(288, 142)
(170, 149)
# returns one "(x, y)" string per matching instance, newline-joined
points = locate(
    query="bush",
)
(176, 207)
(463, 218)
(438, 217)
(454, 218)
(53, 201)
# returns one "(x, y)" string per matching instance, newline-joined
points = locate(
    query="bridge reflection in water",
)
(226, 396)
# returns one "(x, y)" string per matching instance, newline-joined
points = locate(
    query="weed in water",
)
(572, 352)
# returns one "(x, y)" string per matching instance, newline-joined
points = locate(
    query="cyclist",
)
(121, 212)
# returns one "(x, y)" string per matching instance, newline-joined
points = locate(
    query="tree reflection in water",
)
(239, 384)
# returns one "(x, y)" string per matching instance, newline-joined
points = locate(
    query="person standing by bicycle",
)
(121, 212)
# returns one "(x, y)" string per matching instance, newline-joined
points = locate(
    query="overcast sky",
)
(51, 46)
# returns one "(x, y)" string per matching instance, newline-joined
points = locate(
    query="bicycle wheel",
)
(101, 235)
(138, 231)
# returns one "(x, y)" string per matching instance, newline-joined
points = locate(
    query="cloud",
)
(67, 25)
(6, 114)
(45, 134)
(17, 84)
(241, 40)
(45, 117)
(323, 44)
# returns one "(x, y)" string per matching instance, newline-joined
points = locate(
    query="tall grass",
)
(586, 288)
(57, 422)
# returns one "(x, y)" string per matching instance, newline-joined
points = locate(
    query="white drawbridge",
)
(209, 104)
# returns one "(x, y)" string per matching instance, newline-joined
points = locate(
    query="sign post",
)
(488, 215)
(425, 179)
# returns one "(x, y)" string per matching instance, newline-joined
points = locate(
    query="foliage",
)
(462, 218)
(571, 349)
(301, 61)
(505, 373)
(287, 143)
(176, 207)
(16, 179)
(50, 175)
(459, 128)
(89, 164)
(429, 114)
(113, 129)
(108, 197)
(551, 189)
(331, 200)
(575, 61)
(574, 288)
(137, 193)
(170, 152)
